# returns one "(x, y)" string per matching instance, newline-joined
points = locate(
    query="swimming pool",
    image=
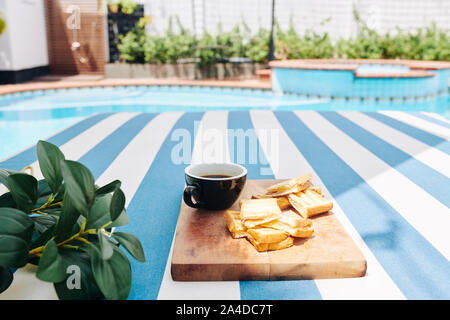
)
(361, 78)
(29, 116)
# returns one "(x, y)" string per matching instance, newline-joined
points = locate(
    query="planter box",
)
(183, 71)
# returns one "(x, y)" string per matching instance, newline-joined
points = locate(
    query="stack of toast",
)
(268, 221)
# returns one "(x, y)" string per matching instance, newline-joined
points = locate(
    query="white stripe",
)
(25, 285)
(75, 148)
(211, 142)
(426, 214)
(376, 284)
(436, 116)
(419, 123)
(430, 156)
(205, 290)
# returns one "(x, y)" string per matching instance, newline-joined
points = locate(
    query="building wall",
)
(332, 16)
(63, 29)
(23, 45)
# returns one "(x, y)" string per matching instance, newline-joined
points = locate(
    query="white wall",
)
(23, 45)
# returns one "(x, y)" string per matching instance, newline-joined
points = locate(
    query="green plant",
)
(177, 45)
(207, 56)
(65, 221)
(2, 24)
(428, 43)
(290, 45)
(132, 46)
(126, 6)
(258, 46)
(233, 40)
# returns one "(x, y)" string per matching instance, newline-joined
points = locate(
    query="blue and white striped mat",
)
(388, 174)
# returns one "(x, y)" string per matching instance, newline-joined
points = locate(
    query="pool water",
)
(30, 116)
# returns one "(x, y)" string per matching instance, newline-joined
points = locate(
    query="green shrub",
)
(234, 41)
(257, 48)
(132, 46)
(428, 43)
(177, 45)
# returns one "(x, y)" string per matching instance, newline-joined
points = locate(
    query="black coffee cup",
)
(214, 186)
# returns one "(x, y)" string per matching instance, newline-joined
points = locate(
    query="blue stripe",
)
(154, 213)
(264, 290)
(419, 173)
(431, 119)
(417, 268)
(115, 143)
(29, 155)
(421, 135)
(247, 152)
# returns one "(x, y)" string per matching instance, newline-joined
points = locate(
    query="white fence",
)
(332, 16)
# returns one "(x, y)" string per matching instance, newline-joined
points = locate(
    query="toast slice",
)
(248, 224)
(283, 201)
(259, 209)
(261, 247)
(301, 183)
(234, 224)
(292, 219)
(315, 189)
(267, 235)
(301, 232)
(293, 224)
(310, 203)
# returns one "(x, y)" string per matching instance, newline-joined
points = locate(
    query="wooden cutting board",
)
(205, 251)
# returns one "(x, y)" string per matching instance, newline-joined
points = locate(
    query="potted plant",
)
(125, 6)
(65, 222)
(128, 6)
(113, 6)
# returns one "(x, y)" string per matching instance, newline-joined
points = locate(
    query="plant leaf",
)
(6, 200)
(99, 214)
(67, 219)
(132, 244)
(79, 185)
(49, 157)
(4, 173)
(122, 220)
(113, 276)
(16, 229)
(60, 193)
(117, 204)
(88, 289)
(105, 246)
(15, 222)
(51, 266)
(13, 251)
(42, 223)
(43, 238)
(44, 193)
(6, 278)
(110, 187)
(24, 190)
